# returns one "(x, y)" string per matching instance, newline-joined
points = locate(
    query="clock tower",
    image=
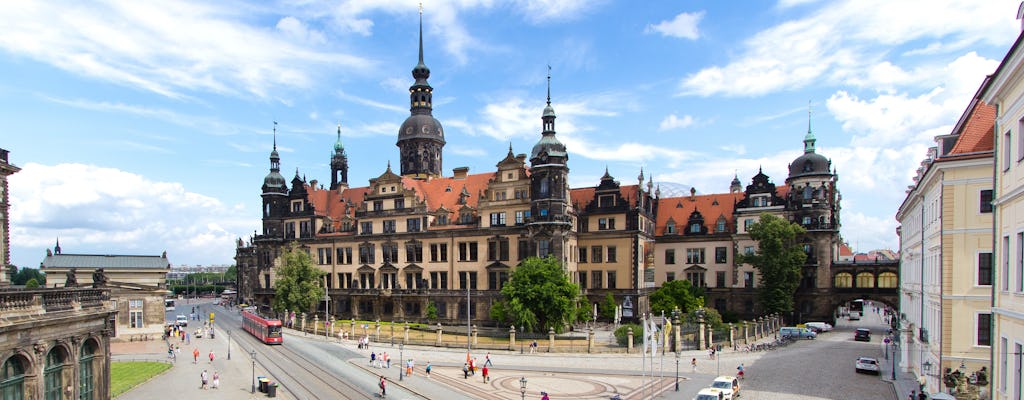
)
(421, 138)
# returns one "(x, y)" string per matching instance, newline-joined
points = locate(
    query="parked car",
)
(710, 394)
(729, 385)
(862, 335)
(181, 320)
(867, 364)
(793, 332)
(819, 326)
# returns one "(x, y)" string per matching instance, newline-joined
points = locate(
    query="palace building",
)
(408, 239)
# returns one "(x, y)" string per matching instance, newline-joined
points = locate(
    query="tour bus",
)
(856, 309)
(169, 304)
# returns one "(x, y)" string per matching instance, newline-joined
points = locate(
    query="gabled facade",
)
(946, 253)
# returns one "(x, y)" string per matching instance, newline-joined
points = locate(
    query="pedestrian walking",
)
(913, 395)
(465, 371)
(211, 356)
(408, 367)
(428, 369)
(383, 386)
(386, 359)
(693, 364)
(483, 372)
(216, 380)
(373, 358)
(544, 396)
(195, 355)
(205, 378)
(472, 366)
(533, 346)
(740, 370)
(487, 362)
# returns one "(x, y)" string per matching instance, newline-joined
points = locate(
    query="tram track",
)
(304, 378)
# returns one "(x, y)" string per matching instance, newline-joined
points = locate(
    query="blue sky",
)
(142, 126)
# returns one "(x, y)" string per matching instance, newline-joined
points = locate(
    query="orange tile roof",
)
(977, 133)
(679, 209)
(583, 196)
(844, 250)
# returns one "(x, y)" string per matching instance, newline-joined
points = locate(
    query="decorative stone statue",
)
(99, 279)
(71, 280)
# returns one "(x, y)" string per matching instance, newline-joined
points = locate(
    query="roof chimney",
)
(460, 172)
(521, 157)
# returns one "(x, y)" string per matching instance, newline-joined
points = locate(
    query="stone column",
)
(512, 338)
(303, 324)
(678, 334)
(378, 331)
(352, 329)
(392, 332)
(405, 338)
(732, 336)
(474, 335)
(746, 333)
(316, 323)
(700, 335)
(629, 340)
(590, 341)
(711, 337)
(439, 333)
(551, 339)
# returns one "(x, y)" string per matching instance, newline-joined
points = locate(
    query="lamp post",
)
(522, 387)
(229, 344)
(895, 345)
(677, 371)
(401, 359)
(252, 356)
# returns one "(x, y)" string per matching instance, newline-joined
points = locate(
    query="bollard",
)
(551, 339)
(629, 340)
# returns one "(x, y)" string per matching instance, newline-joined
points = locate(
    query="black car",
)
(862, 335)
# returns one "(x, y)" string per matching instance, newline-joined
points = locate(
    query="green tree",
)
(538, 295)
(32, 284)
(778, 259)
(676, 294)
(606, 309)
(431, 311)
(26, 274)
(231, 274)
(298, 285)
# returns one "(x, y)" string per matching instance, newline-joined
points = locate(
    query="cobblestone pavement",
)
(822, 368)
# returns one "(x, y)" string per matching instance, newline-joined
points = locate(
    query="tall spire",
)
(548, 110)
(421, 34)
(275, 135)
(809, 139)
(549, 84)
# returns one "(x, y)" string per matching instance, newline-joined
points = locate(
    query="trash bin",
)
(263, 384)
(272, 390)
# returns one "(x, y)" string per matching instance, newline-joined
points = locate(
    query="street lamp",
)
(677, 371)
(522, 387)
(401, 359)
(229, 344)
(252, 356)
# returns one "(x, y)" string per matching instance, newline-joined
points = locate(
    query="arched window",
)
(865, 280)
(86, 376)
(52, 375)
(843, 280)
(12, 380)
(888, 280)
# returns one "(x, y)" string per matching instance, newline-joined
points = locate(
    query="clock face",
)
(425, 129)
(440, 132)
(408, 130)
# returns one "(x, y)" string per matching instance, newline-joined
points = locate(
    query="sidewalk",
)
(182, 380)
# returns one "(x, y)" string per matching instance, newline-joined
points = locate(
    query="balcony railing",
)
(21, 302)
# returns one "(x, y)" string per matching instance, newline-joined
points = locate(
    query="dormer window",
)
(670, 228)
(807, 221)
(694, 228)
(606, 201)
(720, 226)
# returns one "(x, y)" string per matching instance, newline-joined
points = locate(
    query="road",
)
(822, 368)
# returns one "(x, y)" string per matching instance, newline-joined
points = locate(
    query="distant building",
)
(1005, 92)
(55, 343)
(6, 169)
(946, 253)
(137, 284)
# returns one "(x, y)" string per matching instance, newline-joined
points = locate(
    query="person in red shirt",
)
(484, 373)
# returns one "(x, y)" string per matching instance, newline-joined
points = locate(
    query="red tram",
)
(266, 330)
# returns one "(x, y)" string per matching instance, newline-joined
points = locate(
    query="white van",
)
(819, 326)
(793, 332)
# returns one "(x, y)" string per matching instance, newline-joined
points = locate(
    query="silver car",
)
(868, 365)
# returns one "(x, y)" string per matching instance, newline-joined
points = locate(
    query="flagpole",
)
(643, 360)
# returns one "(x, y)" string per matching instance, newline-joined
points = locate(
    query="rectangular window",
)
(1020, 140)
(498, 219)
(389, 251)
(595, 279)
(720, 278)
(748, 250)
(467, 278)
(1020, 262)
(984, 329)
(596, 254)
(1006, 151)
(467, 251)
(696, 279)
(582, 277)
(439, 252)
(611, 254)
(748, 279)
(414, 252)
(670, 276)
(497, 250)
(583, 254)
(1004, 350)
(1006, 264)
(497, 280)
(439, 280)
(694, 256)
(366, 254)
(602, 224)
(524, 250)
(721, 255)
(135, 315)
(543, 248)
(378, 205)
(389, 226)
(520, 219)
(399, 204)
(1016, 369)
(670, 256)
(365, 228)
(611, 280)
(984, 269)
(344, 255)
(986, 200)
(412, 225)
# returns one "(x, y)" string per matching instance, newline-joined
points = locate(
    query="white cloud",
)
(683, 26)
(469, 151)
(96, 210)
(372, 103)
(866, 232)
(845, 42)
(674, 122)
(299, 31)
(203, 46)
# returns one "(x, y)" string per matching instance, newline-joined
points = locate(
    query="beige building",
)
(946, 252)
(137, 286)
(1005, 91)
(6, 169)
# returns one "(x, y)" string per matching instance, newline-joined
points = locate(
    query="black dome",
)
(810, 164)
(421, 126)
(274, 180)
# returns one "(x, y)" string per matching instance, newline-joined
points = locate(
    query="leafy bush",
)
(622, 335)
